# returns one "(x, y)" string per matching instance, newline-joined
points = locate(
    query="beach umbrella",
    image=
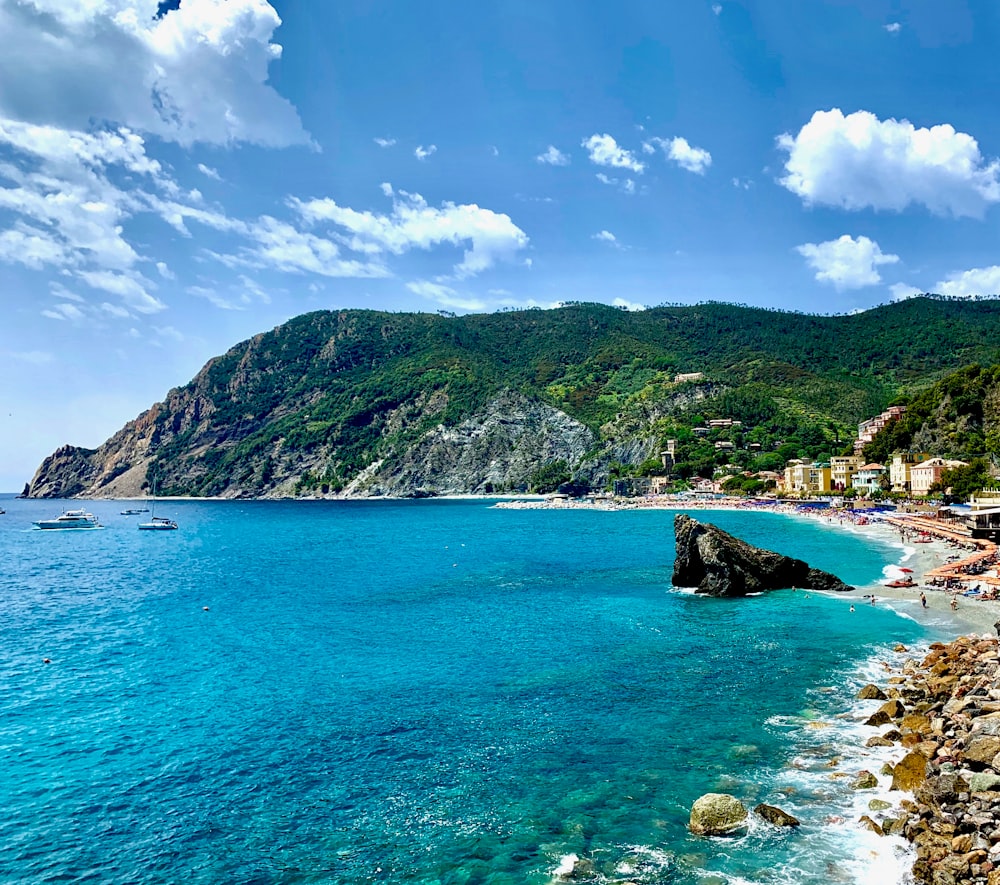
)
(906, 570)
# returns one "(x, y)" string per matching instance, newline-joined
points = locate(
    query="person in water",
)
(923, 600)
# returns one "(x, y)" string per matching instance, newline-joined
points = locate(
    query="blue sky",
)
(174, 179)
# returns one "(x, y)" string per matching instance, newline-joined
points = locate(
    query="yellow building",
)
(842, 470)
(899, 469)
(806, 478)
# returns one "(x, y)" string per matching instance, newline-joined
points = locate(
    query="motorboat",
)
(70, 519)
(158, 524)
(135, 511)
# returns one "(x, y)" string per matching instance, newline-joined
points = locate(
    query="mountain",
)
(362, 402)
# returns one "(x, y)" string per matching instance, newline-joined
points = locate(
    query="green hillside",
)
(328, 394)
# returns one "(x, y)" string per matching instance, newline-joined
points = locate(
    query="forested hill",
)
(364, 402)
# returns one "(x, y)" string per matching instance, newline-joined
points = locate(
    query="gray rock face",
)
(717, 564)
(717, 814)
(495, 449)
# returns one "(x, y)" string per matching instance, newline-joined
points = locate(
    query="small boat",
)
(134, 511)
(906, 582)
(71, 519)
(158, 524)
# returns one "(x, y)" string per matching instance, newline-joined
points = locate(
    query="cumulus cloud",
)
(422, 153)
(979, 281)
(858, 161)
(893, 27)
(198, 73)
(209, 172)
(603, 150)
(846, 262)
(553, 157)
(677, 149)
(413, 224)
(385, 142)
(605, 236)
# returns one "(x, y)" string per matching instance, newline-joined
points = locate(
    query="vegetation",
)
(325, 395)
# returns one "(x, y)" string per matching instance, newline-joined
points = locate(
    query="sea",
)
(439, 692)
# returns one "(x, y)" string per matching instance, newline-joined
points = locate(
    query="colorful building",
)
(900, 467)
(806, 478)
(927, 473)
(842, 470)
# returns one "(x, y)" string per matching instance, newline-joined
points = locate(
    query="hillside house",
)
(900, 467)
(927, 473)
(842, 470)
(806, 478)
(868, 478)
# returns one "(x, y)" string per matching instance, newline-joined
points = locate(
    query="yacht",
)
(158, 524)
(71, 519)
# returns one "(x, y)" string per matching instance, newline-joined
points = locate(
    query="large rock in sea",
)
(717, 814)
(716, 563)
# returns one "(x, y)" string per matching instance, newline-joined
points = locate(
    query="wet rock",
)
(872, 693)
(717, 814)
(865, 781)
(869, 824)
(776, 816)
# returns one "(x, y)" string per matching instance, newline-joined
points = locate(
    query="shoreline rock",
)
(718, 564)
(948, 718)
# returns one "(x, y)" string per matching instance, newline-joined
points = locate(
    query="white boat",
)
(71, 519)
(133, 511)
(158, 524)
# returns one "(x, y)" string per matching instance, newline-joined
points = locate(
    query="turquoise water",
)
(427, 692)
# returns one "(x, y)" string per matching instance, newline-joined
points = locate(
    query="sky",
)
(176, 177)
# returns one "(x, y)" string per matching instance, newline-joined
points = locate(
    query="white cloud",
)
(422, 153)
(893, 27)
(63, 311)
(847, 263)
(130, 287)
(604, 151)
(413, 224)
(628, 305)
(972, 283)
(858, 161)
(693, 159)
(196, 74)
(742, 183)
(30, 246)
(214, 298)
(165, 271)
(209, 172)
(627, 184)
(553, 157)
(494, 150)
(445, 296)
(605, 236)
(384, 142)
(903, 290)
(716, 9)
(115, 310)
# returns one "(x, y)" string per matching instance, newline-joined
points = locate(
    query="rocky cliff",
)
(717, 564)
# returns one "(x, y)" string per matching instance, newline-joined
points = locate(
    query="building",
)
(868, 429)
(985, 500)
(927, 473)
(842, 470)
(688, 376)
(900, 467)
(868, 478)
(724, 445)
(806, 478)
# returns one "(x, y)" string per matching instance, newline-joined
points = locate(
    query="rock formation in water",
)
(717, 564)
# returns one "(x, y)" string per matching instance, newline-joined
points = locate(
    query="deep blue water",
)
(427, 692)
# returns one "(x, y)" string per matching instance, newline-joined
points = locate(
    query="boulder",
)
(865, 781)
(717, 564)
(717, 814)
(776, 816)
(981, 749)
(910, 773)
(871, 693)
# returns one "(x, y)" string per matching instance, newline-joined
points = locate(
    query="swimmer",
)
(852, 609)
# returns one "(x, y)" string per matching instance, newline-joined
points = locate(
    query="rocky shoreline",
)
(944, 711)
